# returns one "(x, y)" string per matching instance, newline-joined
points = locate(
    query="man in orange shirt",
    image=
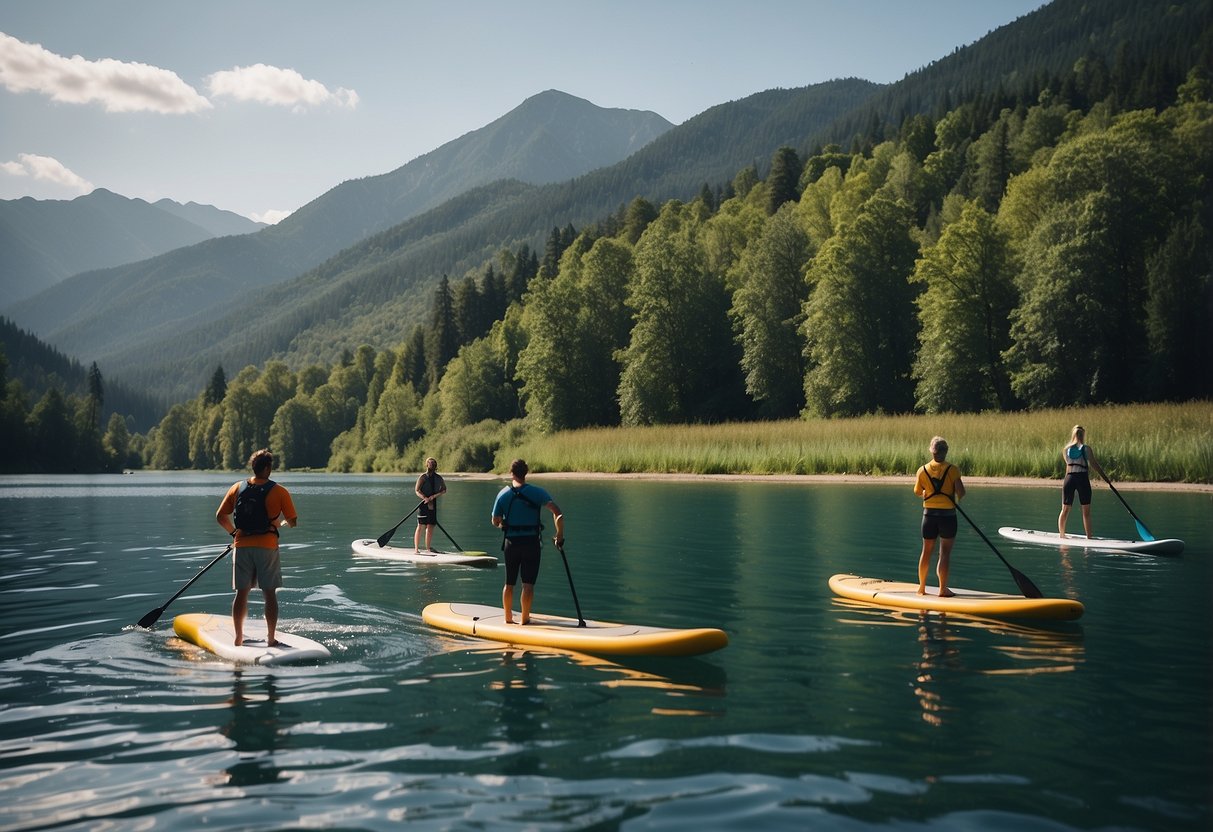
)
(252, 511)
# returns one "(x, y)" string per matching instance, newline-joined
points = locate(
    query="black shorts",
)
(1079, 483)
(427, 515)
(938, 525)
(521, 557)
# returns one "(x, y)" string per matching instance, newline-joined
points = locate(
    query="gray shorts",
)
(256, 566)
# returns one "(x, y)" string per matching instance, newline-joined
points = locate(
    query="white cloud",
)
(273, 85)
(119, 86)
(272, 216)
(47, 169)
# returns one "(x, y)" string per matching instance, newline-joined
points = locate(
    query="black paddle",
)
(1028, 588)
(386, 536)
(448, 535)
(1141, 527)
(152, 617)
(576, 603)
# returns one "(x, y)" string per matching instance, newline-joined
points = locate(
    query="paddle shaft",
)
(448, 535)
(1141, 527)
(383, 539)
(573, 589)
(152, 617)
(1021, 580)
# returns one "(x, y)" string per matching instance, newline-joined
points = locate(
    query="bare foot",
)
(922, 590)
(946, 593)
(509, 621)
(239, 641)
(526, 621)
(272, 642)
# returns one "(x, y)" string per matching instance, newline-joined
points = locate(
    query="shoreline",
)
(821, 479)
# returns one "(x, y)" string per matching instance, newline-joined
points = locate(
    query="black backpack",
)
(251, 516)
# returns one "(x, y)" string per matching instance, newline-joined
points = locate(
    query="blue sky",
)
(259, 106)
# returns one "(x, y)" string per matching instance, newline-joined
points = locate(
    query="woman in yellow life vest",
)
(938, 484)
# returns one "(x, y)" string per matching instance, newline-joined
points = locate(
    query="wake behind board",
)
(969, 601)
(596, 638)
(217, 634)
(1170, 546)
(371, 548)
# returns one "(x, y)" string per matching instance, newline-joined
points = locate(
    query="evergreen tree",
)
(96, 395)
(217, 389)
(441, 339)
(783, 182)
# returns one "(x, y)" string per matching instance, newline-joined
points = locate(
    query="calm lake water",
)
(819, 714)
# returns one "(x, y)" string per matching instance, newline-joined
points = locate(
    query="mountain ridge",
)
(43, 242)
(76, 315)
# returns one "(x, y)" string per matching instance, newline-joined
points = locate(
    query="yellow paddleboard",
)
(969, 601)
(596, 638)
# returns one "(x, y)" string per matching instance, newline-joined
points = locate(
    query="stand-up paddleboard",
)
(595, 638)
(217, 634)
(371, 548)
(1170, 546)
(969, 601)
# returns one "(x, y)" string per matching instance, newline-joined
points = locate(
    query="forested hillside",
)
(1050, 254)
(374, 292)
(1033, 244)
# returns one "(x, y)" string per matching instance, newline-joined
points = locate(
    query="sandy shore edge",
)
(819, 479)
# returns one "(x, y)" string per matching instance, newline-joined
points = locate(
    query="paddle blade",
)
(383, 539)
(1026, 587)
(1142, 530)
(149, 620)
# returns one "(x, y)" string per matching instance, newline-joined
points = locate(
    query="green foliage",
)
(881, 284)
(859, 318)
(767, 310)
(962, 313)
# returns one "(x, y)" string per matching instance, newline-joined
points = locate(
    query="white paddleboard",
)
(371, 548)
(217, 634)
(1170, 546)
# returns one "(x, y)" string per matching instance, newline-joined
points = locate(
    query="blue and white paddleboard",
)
(1170, 546)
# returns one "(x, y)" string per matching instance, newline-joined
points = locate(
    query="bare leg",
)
(1061, 520)
(1086, 519)
(507, 601)
(239, 611)
(528, 595)
(429, 538)
(945, 563)
(271, 615)
(417, 539)
(924, 564)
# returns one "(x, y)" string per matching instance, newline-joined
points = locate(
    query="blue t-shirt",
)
(523, 519)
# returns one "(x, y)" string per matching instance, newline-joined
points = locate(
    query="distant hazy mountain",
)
(549, 137)
(44, 241)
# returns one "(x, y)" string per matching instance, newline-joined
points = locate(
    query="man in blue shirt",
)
(517, 511)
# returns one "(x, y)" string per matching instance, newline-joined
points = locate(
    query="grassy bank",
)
(1143, 443)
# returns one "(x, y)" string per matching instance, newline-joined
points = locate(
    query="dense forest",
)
(1041, 247)
(1054, 252)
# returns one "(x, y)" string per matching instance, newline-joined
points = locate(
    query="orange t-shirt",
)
(277, 503)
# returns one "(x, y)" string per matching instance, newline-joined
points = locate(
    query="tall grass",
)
(1143, 443)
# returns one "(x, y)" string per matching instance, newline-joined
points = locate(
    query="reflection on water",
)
(943, 639)
(253, 727)
(937, 653)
